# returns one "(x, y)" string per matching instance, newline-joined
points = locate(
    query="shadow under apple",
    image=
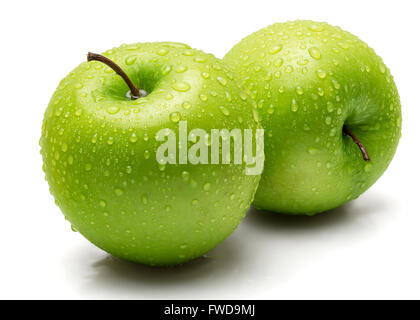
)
(246, 258)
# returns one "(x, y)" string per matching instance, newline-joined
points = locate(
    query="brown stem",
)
(357, 141)
(135, 93)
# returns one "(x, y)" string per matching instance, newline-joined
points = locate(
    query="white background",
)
(368, 248)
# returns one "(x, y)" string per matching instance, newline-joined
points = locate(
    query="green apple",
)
(99, 150)
(322, 95)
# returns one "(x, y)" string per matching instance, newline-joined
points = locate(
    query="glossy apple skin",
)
(309, 79)
(99, 153)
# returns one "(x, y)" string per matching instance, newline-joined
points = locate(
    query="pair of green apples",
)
(328, 105)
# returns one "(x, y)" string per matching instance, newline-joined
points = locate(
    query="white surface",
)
(367, 249)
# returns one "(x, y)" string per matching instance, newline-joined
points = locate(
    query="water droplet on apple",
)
(166, 70)
(207, 186)
(102, 203)
(113, 109)
(289, 69)
(146, 154)
(335, 84)
(175, 116)
(144, 199)
(368, 167)
(299, 90)
(221, 80)
(312, 151)
(163, 52)
(328, 120)
(278, 63)
(94, 138)
(185, 175)
(321, 74)
(275, 49)
(181, 86)
(180, 69)
(330, 106)
(199, 59)
(133, 137)
(186, 105)
(224, 110)
(130, 60)
(88, 167)
(188, 52)
(118, 191)
(294, 106)
(314, 53)
(382, 68)
(316, 27)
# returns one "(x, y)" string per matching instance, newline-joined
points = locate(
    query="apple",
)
(330, 110)
(99, 144)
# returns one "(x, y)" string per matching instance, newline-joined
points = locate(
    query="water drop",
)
(118, 191)
(330, 106)
(299, 90)
(224, 110)
(221, 80)
(278, 63)
(316, 27)
(294, 107)
(199, 59)
(313, 151)
(175, 116)
(314, 53)
(335, 84)
(113, 109)
(181, 86)
(130, 60)
(186, 105)
(321, 74)
(289, 69)
(133, 137)
(185, 175)
(180, 69)
(166, 70)
(163, 52)
(368, 167)
(144, 199)
(275, 49)
(328, 120)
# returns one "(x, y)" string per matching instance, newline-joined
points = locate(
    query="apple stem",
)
(357, 141)
(135, 93)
